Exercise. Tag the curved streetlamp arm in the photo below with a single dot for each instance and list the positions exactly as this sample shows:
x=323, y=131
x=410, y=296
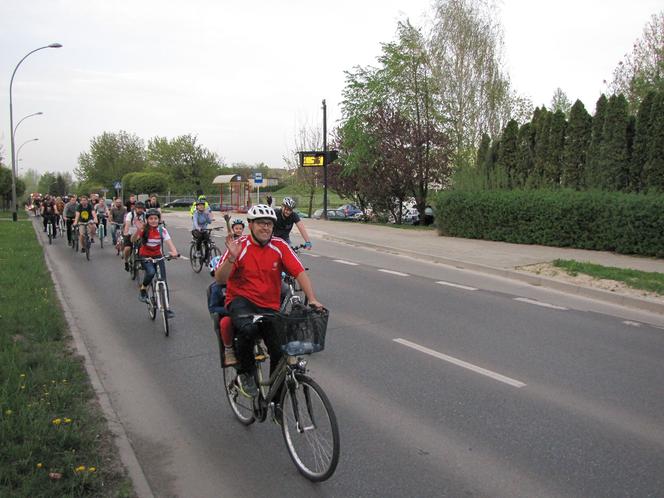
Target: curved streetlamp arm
x=26, y=117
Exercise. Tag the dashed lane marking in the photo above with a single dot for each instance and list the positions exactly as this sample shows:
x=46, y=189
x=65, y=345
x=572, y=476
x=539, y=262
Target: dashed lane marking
x=539, y=303
x=344, y=262
x=458, y=286
x=464, y=364
x=392, y=272
x=631, y=323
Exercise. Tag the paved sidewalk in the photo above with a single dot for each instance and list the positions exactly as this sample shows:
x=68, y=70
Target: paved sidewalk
x=496, y=258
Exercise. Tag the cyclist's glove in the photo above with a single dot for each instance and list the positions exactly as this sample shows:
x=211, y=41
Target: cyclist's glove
x=307, y=245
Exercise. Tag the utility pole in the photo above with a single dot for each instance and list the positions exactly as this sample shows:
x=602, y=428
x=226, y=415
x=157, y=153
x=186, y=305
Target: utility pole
x=324, y=160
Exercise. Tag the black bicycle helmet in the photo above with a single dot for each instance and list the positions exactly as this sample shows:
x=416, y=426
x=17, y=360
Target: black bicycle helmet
x=152, y=212
x=140, y=204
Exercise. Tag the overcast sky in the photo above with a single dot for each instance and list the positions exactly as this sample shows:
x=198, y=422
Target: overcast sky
x=244, y=76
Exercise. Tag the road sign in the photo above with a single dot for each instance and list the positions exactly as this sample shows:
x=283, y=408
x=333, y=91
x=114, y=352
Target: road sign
x=117, y=185
x=258, y=178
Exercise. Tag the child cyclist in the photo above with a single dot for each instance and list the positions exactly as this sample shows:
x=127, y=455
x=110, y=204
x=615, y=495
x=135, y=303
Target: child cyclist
x=152, y=236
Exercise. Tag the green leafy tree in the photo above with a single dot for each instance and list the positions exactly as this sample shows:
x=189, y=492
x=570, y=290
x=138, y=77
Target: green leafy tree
x=47, y=182
x=642, y=70
x=576, y=147
x=149, y=182
x=593, y=163
x=190, y=166
x=111, y=156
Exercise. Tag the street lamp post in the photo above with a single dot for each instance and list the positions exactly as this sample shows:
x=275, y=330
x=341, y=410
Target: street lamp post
x=23, y=119
x=26, y=142
x=11, y=126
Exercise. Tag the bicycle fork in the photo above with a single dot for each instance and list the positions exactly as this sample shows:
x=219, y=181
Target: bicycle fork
x=293, y=385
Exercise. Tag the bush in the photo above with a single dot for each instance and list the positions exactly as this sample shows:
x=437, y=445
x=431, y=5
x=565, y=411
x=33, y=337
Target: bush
x=605, y=221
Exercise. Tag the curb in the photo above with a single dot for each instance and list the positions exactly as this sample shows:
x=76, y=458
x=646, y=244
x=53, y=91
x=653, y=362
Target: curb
x=588, y=292
x=121, y=439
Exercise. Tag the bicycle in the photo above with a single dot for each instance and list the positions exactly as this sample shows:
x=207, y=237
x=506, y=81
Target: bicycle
x=208, y=251
x=294, y=400
x=87, y=243
x=74, y=238
x=291, y=291
x=101, y=232
x=62, y=225
x=50, y=229
x=116, y=236
x=158, y=293
x=134, y=263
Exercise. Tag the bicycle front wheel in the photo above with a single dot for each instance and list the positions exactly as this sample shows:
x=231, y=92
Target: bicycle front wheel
x=242, y=406
x=310, y=429
x=102, y=234
x=87, y=248
x=164, y=311
x=196, y=261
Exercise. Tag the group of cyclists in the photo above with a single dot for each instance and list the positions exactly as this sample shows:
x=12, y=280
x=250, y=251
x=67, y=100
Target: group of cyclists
x=250, y=269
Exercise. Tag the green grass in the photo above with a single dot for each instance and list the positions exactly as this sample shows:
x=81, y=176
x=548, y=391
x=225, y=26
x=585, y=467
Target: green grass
x=49, y=419
x=7, y=215
x=648, y=281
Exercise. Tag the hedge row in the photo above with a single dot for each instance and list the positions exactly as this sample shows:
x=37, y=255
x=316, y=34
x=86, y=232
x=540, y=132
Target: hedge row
x=606, y=221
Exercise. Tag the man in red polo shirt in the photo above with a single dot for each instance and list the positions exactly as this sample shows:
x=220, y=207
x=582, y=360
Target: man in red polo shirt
x=251, y=267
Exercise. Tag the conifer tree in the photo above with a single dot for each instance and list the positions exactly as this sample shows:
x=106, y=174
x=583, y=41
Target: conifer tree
x=542, y=129
x=524, y=163
x=576, y=147
x=653, y=169
x=642, y=132
x=508, y=153
x=554, y=159
x=596, y=141
x=613, y=154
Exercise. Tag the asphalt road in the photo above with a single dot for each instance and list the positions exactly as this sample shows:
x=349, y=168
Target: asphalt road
x=439, y=390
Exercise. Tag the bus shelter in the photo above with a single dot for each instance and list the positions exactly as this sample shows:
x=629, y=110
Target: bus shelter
x=234, y=193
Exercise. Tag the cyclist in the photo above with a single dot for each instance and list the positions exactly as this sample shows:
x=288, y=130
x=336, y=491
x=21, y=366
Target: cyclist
x=133, y=218
x=102, y=212
x=286, y=218
x=131, y=203
x=85, y=213
x=151, y=237
x=117, y=216
x=194, y=205
x=49, y=212
x=200, y=220
x=251, y=267
x=69, y=212
x=237, y=227
x=153, y=203
x=60, y=205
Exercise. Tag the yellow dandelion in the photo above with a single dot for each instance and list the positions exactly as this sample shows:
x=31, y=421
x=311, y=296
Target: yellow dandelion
x=80, y=468
x=57, y=421
x=64, y=381
x=22, y=376
x=92, y=469
x=22, y=387
x=67, y=421
x=40, y=465
x=8, y=412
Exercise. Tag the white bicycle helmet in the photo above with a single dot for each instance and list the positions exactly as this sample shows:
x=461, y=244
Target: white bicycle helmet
x=288, y=202
x=261, y=211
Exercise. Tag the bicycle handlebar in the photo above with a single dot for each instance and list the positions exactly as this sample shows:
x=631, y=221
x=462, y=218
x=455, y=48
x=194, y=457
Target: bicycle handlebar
x=156, y=260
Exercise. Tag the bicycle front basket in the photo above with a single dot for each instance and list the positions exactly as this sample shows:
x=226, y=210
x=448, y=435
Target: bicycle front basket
x=302, y=331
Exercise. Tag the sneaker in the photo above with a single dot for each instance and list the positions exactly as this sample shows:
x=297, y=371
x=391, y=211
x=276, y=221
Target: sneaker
x=82, y=249
x=247, y=385
x=126, y=266
x=143, y=296
x=170, y=313
x=229, y=357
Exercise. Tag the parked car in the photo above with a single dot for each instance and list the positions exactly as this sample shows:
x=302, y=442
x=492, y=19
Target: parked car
x=349, y=209
x=185, y=202
x=332, y=214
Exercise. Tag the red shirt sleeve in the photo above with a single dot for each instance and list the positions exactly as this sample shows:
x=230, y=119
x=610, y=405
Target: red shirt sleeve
x=289, y=258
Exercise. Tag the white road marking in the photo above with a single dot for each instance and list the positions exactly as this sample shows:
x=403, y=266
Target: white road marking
x=459, y=286
x=392, y=272
x=343, y=262
x=539, y=303
x=631, y=323
x=463, y=364
x=184, y=257
x=310, y=255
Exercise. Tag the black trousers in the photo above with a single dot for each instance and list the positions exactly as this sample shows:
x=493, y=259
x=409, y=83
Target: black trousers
x=246, y=332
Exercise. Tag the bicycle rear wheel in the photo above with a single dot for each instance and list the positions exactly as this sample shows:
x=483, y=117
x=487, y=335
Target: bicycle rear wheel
x=49, y=230
x=196, y=261
x=312, y=438
x=133, y=267
x=87, y=247
x=241, y=406
x=164, y=312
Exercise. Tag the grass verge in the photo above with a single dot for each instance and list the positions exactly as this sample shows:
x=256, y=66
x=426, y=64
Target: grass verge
x=648, y=281
x=54, y=437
